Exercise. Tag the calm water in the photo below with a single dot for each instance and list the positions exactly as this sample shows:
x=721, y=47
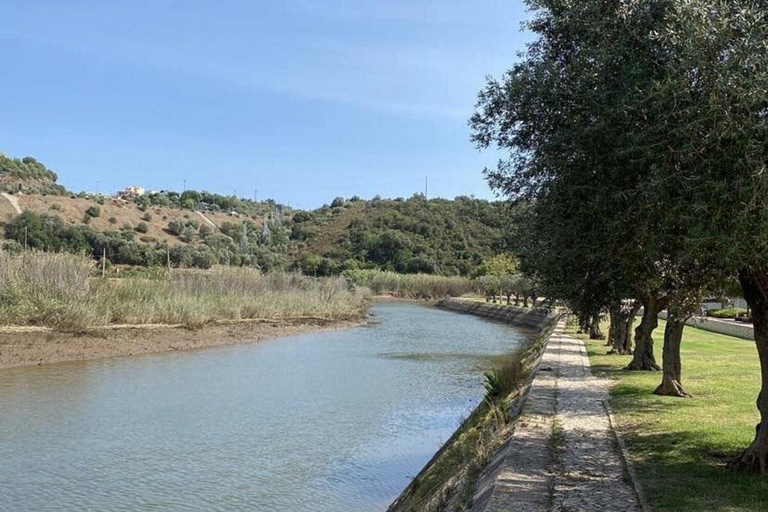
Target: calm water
x=325, y=422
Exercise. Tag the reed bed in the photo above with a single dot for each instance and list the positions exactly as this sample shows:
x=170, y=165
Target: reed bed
x=55, y=290
x=410, y=286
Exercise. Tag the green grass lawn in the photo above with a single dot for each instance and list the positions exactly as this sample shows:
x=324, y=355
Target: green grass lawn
x=680, y=447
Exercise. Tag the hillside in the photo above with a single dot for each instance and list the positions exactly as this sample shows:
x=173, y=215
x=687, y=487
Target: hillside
x=201, y=229
x=437, y=236
x=27, y=175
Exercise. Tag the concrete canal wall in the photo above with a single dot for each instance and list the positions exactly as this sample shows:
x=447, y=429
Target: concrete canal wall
x=451, y=476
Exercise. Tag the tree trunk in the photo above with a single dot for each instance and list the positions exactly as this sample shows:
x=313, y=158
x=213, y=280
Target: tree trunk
x=754, y=283
x=620, y=336
x=525, y=302
x=584, y=324
x=671, y=366
x=594, y=329
x=509, y=299
x=517, y=300
x=644, y=359
x=613, y=315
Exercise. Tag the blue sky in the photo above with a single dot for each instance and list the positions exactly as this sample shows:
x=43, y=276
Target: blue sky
x=303, y=100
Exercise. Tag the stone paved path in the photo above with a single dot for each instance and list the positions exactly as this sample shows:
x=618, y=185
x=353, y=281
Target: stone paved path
x=589, y=473
x=585, y=471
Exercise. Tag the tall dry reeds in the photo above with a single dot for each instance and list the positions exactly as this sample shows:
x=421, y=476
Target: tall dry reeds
x=55, y=290
x=45, y=289
x=410, y=286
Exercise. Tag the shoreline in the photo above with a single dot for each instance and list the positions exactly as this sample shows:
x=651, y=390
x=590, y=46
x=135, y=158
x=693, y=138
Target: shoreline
x=34, y=346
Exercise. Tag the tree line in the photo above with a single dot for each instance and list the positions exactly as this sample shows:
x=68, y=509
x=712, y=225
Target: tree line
x=635, y=141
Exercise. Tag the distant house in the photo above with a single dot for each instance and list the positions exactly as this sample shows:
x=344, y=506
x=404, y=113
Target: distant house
x=132, y=192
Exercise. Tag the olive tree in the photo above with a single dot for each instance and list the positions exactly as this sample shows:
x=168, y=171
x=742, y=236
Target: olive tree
x=711, y=110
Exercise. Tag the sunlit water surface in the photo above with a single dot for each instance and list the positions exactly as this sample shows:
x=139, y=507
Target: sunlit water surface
x=327, y=422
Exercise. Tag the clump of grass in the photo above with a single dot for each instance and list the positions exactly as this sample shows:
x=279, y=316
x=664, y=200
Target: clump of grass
x=45, y=289
x=505, y=378
x=410, y=286
x=449, y=481
x=55, y=290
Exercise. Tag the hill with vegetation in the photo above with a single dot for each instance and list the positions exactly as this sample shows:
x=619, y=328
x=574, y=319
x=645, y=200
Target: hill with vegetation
x=415, y=235
x=27, y=175
x=202, y=229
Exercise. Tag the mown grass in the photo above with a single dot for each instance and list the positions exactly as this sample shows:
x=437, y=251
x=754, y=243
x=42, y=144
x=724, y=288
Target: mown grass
x=680, y=447
x=410, y=286
x=55, y=290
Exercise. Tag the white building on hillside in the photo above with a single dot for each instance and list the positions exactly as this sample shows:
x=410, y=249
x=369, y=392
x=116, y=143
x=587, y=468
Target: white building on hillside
x=132, y=191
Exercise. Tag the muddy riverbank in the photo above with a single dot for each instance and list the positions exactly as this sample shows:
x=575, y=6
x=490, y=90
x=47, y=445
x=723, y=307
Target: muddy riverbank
x=27, y=346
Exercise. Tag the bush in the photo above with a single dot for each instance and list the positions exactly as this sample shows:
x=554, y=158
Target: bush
x=726, y=313
x=93, y=211
x=147, y=217
x=141, y=227
x=112, y=220
x=188, y=234
x=12, y=247
x=176, y=226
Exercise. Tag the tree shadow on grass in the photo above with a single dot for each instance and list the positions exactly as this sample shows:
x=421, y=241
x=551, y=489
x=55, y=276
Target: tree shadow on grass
x=681, y=472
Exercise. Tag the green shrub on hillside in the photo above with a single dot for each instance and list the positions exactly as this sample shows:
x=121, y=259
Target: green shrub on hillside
x=27, y=175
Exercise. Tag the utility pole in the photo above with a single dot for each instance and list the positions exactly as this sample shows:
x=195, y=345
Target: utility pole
x=104, y=261
x=168, y=257
x=256, y=195
x=185, y=186
x=426, y=187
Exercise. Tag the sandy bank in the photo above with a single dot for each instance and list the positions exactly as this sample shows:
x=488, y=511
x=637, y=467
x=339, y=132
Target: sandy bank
x=26, y=346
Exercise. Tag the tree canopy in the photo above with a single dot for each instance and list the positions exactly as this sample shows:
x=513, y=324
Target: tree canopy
x=635, y=135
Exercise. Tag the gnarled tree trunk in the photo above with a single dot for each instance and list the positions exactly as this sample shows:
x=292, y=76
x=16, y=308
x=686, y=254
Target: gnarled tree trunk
x=754, y=283
x=622, y=330
x=643, y=358
x=594, y=329
x=671, y=366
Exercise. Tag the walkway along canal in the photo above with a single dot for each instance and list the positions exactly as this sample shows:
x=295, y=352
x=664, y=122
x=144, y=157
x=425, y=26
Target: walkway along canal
x=331, y=421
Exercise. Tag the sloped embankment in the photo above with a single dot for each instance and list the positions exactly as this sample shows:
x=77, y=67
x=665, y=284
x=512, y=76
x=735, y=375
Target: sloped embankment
x=448, y=482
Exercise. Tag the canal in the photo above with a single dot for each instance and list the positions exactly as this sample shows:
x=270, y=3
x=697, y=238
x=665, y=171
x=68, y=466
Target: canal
x=336, y=421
